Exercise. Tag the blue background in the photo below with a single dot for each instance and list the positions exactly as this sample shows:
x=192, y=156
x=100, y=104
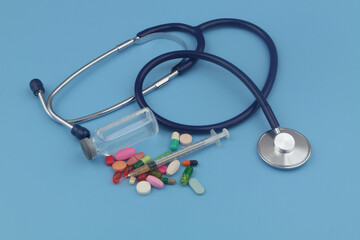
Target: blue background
x=48, y=190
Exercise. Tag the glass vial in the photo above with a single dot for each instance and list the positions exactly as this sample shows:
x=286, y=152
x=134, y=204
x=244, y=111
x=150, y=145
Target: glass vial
x=120, y=134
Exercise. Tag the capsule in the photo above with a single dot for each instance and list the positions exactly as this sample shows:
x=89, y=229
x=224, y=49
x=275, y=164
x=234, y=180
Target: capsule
x=162, y=155
x=190, y=163
x=186, y=175
x=155, y=173
x=127, y=170
x=132, y=180
x=174, y=144
x=142, y=161
x=116, y=177
x=170, y=181
x=135, y=158
x=142, y=177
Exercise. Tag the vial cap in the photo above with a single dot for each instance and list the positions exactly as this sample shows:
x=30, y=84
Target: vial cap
x=88, y=148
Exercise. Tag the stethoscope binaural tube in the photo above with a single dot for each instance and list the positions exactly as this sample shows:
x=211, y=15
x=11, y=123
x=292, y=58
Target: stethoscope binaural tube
x=81, y=132
x=279, y=147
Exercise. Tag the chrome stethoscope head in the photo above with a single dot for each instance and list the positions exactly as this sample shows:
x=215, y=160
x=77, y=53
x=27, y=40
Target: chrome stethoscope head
x=284, y=148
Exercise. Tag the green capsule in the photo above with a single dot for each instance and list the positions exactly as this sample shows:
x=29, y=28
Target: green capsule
x=162, y=155
x=174, y=144
x=168, y=180
x=155, y=173
x=146, y=159
x=186, y=175
x=142, y=161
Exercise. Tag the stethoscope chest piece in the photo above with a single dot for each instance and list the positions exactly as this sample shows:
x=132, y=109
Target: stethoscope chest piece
x=284, y=148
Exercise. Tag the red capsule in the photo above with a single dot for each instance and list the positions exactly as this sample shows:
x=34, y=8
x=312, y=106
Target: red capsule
x=116, y=177
x=109, y=160
x=128, y=170
x=142, y=177
x=135, y=158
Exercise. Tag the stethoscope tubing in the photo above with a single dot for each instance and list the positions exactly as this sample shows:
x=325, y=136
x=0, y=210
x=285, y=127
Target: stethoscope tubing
x=216, y=60
x=230, y=22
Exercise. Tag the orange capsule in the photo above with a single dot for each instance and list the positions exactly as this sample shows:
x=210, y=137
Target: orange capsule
x=190, y=163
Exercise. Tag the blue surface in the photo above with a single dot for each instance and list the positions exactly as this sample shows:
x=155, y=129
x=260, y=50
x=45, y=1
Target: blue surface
x=48, y=190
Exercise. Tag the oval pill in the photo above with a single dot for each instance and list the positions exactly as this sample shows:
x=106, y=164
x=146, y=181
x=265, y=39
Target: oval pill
x=119, y=166
x=162, y=169
x=185, y=139
x=143, y=188
x=155, y=182
x=173, y=167
x=196, y=186
x=174, y=144
x=135, y=158
x=125, y=153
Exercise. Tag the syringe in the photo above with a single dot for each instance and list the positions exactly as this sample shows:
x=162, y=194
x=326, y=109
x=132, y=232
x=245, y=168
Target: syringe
x=214, y=138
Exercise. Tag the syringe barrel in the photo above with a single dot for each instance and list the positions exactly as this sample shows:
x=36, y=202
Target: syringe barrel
x=180, y=153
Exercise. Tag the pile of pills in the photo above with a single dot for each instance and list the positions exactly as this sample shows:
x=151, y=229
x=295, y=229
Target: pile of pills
x=126, y=160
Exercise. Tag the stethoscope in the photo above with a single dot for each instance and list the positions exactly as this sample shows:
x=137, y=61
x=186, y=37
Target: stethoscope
x=279, y=147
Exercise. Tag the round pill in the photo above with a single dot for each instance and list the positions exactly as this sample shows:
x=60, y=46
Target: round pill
x=119, y=166
x=143, y=188
x=154, y=181
x=196, y=186
x=185, y=139
x=173, y=167
x=125, y=153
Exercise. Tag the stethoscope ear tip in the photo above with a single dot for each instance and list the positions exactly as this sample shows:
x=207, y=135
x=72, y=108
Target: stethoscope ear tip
x=284, y=148
x=36, y=85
